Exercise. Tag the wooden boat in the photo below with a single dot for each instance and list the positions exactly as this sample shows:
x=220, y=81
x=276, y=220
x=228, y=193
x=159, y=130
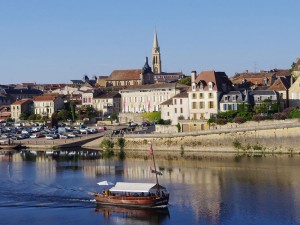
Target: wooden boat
x=146, y=195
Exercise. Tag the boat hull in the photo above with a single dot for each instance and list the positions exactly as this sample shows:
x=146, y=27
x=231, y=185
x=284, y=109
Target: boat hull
x=131, y=201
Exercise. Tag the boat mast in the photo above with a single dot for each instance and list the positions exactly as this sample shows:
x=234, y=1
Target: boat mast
x=152, y=153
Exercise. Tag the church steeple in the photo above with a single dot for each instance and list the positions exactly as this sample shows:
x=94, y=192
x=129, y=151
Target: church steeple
x=156, y=60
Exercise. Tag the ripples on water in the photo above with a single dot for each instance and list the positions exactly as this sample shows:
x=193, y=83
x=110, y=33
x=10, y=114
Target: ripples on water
x=46, y=190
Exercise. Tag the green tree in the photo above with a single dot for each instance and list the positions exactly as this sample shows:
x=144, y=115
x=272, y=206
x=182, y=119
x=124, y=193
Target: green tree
x=185, y=80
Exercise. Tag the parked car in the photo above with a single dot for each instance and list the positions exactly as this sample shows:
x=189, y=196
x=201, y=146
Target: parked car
x=37, y=135
x=92, y=130
x=83, y=131
x=72, y=135
x=102, y=128
x=145, y=124
x=63, y=136
x=51, y=136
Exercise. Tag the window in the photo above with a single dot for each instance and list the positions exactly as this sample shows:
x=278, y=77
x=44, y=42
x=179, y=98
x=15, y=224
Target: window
x=210, y=86
x=194, y=96
x=201, y=105
x=175, y=110
x=175, y=102
x=180, y=101
x=168, y=113
x=194, y=105
x=225, y=107
x=201, y=96
x=210, y=95
x=211, y=104
x=181, y=110
x=226, y=98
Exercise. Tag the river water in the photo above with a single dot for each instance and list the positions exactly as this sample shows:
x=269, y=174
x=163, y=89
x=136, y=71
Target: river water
x=46, y=189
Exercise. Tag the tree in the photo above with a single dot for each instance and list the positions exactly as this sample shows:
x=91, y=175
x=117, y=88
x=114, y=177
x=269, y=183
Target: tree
x=186, y=81
x=72, y=108
x=63, y=115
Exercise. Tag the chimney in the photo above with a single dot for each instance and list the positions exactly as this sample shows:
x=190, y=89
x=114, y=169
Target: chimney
x=193, y=76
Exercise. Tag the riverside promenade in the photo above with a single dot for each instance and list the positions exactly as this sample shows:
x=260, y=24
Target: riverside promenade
x=42, y=143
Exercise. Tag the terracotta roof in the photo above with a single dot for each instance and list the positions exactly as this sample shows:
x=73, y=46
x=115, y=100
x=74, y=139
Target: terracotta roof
x=22, y=101
x=281, y=84
x=125, y=75
x=44, y=98
x=220, y=81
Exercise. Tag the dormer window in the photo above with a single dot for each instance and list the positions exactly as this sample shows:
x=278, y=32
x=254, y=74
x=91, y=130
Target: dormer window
x=210, y=86
x=201, y=86
x=233, y=98
x=193, y=87
x=226, y=98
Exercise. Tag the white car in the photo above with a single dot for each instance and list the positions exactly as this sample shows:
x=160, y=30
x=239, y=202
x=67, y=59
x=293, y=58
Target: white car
x=72, y=135
x=63, y=136
x=51, y=136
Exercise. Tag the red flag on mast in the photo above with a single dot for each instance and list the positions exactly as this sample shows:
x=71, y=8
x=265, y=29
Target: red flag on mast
x=151, y=150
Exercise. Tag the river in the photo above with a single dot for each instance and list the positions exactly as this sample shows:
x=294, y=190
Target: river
x=46, y=189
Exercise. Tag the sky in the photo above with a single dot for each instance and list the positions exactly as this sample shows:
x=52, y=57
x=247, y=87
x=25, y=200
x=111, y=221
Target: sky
x=54, y=41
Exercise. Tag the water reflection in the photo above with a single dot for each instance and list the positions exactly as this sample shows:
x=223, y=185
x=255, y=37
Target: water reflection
x=219, y=190
x=134, y=215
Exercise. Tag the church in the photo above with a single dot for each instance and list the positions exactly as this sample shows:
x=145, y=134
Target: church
x=146, y=75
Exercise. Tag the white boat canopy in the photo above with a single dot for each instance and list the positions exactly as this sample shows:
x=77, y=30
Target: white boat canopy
x=135, y=187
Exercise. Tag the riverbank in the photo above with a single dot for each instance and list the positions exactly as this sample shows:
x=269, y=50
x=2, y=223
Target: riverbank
x=272, y=139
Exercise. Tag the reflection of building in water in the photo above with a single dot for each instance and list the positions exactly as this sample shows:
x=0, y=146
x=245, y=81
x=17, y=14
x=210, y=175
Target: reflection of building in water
x=45, y=169
x=98, y=167
x=206, y=181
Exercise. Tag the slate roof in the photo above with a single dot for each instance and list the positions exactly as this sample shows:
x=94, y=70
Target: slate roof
x=158, y=86
x=239, y=97
x=24, y=91
x=106, y=95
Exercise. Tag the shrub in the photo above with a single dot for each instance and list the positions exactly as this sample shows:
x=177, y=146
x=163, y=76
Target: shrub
x=279, y=116
x=237, y=144
x=239, y=120
x=121, y=143
x=107, y=144
x=221, y=121
x=258, y=117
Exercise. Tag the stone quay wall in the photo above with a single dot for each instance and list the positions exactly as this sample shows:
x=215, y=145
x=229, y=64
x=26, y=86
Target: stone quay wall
x=282, y=137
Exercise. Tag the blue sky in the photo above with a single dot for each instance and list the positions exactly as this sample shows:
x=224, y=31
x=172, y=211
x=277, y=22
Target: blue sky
x=54, y=41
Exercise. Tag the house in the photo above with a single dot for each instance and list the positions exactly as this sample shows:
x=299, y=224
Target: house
x=294, y=94
x=46, y=105
x=258, y=97
x=21, y=106
x=131, y=77
x=107, y=103
x=4, y=100
x=205, y=92
x=296, y=69
x=230, y=101
x=165, y=77
x=282, y=85
x=101, y=81
x=176, y=108
x=5, y=112
x=147, y=98
x=84, y=81
x=253, y=80
x=17, y=94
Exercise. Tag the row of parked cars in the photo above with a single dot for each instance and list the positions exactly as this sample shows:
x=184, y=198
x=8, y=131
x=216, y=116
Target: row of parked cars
x=18, y=133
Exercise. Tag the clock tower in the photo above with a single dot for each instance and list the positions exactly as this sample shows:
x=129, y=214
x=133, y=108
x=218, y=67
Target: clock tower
x=156, y=60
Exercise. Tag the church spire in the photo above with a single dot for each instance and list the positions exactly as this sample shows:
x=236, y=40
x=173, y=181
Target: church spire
x=156, y=60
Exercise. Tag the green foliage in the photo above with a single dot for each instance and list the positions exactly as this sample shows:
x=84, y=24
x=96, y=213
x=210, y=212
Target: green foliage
x=107, y=144
x=121, y=143
x=237, y=144
x=34, y=117
x=72, y=108
x=178, y=127
x=239, y=120
x=186, y=81
x=152, y=116
x=24, y=115
x=9, y=119
x=295, y=113
x=63, y=115
x=257, y=147
x=221, y=121
x=87, y=111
